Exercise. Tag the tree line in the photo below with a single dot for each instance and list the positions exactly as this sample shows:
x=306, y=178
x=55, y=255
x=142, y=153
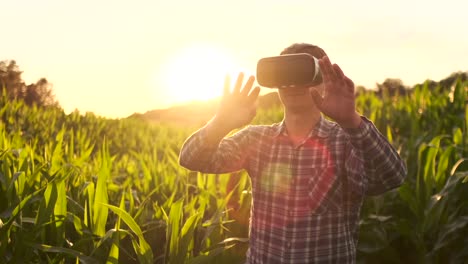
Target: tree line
x=15, y=88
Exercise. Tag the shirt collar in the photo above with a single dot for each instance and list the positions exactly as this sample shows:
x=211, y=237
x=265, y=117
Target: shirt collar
x=321, y=129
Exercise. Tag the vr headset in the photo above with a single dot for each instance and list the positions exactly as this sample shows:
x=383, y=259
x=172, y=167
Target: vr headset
x=289, y=71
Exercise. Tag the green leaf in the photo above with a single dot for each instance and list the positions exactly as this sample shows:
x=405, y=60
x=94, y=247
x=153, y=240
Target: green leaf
x=113, y=257
x=61, y=250
x=60, y=211
x=433, y=212
x=186, y=237
x=408, y=195
x=89, y=201
x=143, y=250
x=442, y=167
x=389, y=134
x=450, y=232
x=77, y=222
x=458, y=136
x=5, y=227
x=47, y=205
x=173, y=229
x=101, y=196
x=372, y=239
x=57, y=157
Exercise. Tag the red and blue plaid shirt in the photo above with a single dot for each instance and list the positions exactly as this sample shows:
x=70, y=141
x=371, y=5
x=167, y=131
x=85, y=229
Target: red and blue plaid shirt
x=306, y=198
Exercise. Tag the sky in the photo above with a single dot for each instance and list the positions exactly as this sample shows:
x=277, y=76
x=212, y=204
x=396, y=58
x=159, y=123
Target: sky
x=116, y=58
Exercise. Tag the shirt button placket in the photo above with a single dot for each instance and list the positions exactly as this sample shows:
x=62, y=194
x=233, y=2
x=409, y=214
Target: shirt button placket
x=292, y=182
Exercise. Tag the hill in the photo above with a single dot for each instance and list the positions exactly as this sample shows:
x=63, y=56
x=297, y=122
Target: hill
x=197, y=113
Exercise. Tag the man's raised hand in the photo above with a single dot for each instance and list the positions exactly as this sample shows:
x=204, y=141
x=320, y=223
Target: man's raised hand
x=338, y=101
x=237, y=107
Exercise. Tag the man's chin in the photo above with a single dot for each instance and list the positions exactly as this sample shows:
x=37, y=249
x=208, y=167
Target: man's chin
x=302, y=107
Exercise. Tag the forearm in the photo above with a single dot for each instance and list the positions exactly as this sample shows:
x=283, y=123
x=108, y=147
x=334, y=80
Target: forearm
x=198, y=150
x=382, y=164
x=209, y=151
x=215, y=131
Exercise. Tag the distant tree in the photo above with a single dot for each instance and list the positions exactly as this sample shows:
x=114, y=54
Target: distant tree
x=360, y=89
x=10, y=77
x=392, y=87
x=446, y=83
x=449, y=81
x=39, y=93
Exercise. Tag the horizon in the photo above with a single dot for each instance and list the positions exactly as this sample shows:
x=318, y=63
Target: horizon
x=116, y=59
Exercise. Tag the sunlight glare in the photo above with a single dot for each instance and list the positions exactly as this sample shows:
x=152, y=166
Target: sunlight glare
x=197, y=73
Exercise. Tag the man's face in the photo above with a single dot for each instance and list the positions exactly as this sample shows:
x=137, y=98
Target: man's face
x=298, y=97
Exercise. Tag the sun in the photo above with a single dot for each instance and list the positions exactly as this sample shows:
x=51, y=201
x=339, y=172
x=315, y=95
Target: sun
x=197, y=73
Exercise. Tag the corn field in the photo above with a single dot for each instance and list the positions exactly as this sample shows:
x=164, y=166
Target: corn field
x=79, y=188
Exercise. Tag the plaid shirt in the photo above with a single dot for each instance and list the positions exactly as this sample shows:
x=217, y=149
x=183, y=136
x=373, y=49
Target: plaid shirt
x=306, y=198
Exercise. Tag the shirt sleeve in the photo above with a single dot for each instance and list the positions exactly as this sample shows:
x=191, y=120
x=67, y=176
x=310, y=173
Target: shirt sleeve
x=229, y=155
x=372, y=154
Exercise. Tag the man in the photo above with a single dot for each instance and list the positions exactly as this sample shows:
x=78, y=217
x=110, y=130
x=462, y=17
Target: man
x=309, y=175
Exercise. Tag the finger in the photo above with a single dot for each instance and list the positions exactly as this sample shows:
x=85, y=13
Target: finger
x=338, y=71
x=333, y=74
x=248, y=86
x=326, y=68
x=227, y=84
x=238, y=85
x=318, y=99
x=252, y=98
x=349, y=84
